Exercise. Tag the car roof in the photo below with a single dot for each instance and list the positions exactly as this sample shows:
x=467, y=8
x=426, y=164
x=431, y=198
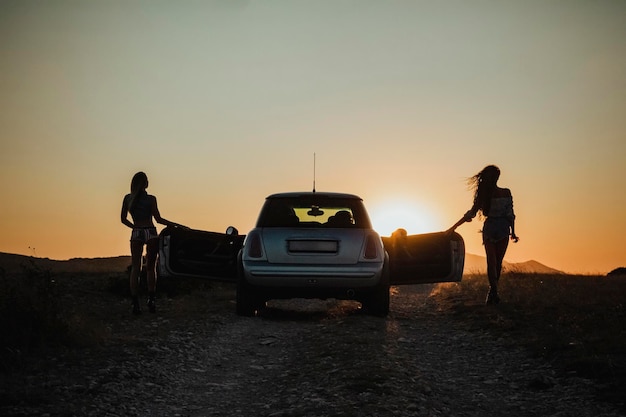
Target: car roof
x=301, y=194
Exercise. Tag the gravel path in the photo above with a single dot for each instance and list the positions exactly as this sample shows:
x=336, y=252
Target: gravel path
x=299, y=358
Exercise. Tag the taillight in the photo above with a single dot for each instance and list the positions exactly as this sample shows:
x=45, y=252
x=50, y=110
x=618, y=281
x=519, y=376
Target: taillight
x=254, y=246
x=371, y=251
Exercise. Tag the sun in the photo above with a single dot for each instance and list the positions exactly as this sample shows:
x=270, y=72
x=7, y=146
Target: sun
x=415, y=218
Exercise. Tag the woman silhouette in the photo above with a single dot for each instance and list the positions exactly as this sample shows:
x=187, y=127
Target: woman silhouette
x=496, y=206
x=142, y=208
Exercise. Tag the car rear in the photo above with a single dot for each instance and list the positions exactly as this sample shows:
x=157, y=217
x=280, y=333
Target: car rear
x=311, y=245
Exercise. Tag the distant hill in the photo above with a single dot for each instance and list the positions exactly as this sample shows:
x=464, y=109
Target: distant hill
x=475, y=264
x=16, y=263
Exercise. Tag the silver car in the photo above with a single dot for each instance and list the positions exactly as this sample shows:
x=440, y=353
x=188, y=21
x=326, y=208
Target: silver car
x=313, y=245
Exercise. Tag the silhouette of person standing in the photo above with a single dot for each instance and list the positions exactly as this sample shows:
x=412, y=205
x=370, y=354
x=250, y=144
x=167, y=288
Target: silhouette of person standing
x=142, y=208
x=496, y=206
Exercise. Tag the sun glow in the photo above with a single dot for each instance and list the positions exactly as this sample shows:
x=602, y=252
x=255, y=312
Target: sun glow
x=409, y=215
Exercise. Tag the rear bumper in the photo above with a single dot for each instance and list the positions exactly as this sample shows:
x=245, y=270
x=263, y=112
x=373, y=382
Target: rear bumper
x=311, y=278
x=280, y=293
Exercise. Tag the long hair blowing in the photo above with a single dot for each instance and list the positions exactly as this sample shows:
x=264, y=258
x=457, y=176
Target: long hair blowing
x=137, y=185
x=483, y=184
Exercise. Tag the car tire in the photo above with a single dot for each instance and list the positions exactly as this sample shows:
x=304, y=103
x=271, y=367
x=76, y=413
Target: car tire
x=377, y=302
x=245, y=303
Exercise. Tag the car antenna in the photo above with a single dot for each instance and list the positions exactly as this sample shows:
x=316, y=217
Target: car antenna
x=313, y=171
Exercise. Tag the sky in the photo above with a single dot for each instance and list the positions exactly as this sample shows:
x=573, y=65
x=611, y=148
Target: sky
x=222, y=103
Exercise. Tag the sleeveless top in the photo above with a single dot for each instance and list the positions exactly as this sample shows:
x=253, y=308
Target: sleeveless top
x=142, y=207
x=501, y=207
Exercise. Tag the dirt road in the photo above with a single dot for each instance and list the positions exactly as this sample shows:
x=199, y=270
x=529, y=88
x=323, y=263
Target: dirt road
x=195, y=357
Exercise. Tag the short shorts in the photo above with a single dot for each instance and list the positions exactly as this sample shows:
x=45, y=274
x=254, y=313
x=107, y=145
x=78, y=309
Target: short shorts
x=143, y=234
x=495, y=229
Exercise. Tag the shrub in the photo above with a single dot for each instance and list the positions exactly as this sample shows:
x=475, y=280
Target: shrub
x=29, y=312
x=575, y=321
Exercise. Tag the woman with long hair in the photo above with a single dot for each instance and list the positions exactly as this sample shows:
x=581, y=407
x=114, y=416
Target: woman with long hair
x=495, y=205
x=142, y=208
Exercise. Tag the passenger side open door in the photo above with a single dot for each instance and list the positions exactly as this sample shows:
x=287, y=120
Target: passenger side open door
x=425, y=258
x=199, y=254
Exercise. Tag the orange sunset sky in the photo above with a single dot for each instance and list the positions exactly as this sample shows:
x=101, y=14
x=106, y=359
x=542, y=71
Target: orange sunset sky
x=224, y=102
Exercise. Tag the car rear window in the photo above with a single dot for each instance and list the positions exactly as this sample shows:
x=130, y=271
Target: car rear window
x=313, y=211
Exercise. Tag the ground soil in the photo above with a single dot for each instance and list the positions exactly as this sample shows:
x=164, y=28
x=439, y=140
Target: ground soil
x=196, y=357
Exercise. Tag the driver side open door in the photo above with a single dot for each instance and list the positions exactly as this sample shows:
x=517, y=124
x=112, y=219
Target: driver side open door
x=425, y=258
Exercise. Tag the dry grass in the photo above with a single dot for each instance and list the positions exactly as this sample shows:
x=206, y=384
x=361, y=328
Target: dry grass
x=577, y=322
x=29, y=309
x=42, y=309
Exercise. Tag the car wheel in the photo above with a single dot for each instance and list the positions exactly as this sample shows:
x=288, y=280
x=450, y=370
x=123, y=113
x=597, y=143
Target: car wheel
x=246, y=301
x=377, y=302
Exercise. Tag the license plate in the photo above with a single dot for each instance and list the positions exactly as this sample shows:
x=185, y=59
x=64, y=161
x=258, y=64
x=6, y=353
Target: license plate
x=320, y=246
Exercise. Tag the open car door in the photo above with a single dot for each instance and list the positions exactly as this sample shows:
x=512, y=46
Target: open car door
x=425, y=258
x=199, y=254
